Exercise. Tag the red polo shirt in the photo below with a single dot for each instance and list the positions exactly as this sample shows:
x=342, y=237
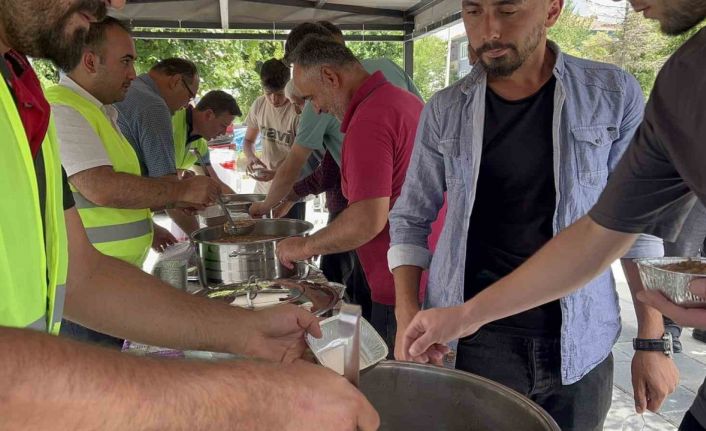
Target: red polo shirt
x=379, y=128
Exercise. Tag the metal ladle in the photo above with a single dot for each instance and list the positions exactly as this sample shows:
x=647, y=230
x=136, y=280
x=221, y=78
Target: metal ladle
x=349, y=319
x=230, y=227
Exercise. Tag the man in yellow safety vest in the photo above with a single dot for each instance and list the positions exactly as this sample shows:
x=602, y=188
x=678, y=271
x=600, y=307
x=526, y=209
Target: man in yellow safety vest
x=48, y=383
x=112, y=198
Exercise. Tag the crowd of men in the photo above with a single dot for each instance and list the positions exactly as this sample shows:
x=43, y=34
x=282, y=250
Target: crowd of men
x=515, y=187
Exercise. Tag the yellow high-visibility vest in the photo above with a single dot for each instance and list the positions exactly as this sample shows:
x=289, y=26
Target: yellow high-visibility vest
x=125, y=234
x=34, y=253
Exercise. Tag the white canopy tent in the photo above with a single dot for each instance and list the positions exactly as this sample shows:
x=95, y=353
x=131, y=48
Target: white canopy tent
x=402, y=20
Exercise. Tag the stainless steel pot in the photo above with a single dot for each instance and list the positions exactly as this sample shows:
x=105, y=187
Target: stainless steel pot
x=423, y=397
x=228, y=263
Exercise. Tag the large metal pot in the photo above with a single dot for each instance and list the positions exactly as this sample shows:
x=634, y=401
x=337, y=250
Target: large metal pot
x=423, y=397
x=228, y=263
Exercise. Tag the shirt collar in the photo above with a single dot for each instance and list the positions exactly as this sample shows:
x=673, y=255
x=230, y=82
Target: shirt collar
x=149, y=82
x=66, y=81
x=477, y=75
x=69, y=83
x=374, y=81
x=190, y=136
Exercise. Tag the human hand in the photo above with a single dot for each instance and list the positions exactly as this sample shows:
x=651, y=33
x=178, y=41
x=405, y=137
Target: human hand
x=281, y=209
x=259, y=209
x=254, y=162
x=430, y=331
x=162, y=239
x=654, y=377
x=197, y=192
x=691, y=317
x=277, y=333
x=334, y=404
x=262, y=175
x=291, y=250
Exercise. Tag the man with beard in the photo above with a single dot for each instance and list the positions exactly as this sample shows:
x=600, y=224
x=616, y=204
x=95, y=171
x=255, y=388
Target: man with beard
x=651, y=191
x=48, y=383
x=379, y=120
x=524, y=145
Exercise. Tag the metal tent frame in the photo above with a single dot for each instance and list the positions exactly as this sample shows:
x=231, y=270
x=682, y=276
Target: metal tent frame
x=401, y=20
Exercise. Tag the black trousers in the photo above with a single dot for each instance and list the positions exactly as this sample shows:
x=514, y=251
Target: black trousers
x=345, y=268
x=298, y=211
x=77, y=332
x=689, y=423
x=385, y=323
x=531, y=365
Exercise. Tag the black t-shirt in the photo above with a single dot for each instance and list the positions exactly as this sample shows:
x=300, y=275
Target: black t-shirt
x=515, y=200
x=658, y=179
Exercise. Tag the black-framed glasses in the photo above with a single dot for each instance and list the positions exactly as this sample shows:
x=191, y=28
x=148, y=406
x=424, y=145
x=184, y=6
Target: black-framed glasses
x=192, y=95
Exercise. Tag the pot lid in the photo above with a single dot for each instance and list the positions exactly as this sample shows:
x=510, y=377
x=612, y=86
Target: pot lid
x=317, y=297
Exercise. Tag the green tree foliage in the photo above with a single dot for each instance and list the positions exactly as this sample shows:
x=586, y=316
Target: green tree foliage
x=634, y=44
x=430, y=55
x=230, y=65
x=571, y=30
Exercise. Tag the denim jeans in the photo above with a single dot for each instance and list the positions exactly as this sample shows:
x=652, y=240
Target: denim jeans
x=531, y=365
x=689, y=423
x=77, y=332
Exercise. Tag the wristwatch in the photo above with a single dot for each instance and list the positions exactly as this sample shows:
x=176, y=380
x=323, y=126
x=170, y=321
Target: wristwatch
x=665, y=344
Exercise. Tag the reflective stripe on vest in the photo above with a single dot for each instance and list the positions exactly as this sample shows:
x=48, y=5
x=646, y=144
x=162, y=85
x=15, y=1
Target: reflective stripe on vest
x=81, y=202
x=183, y=157
x=125, y=234
x=120, y=232
x=34, y=254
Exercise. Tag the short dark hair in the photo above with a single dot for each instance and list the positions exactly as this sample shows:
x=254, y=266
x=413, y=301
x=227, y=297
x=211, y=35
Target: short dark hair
x=219, y=102
x=333, y=28
x=274, y=75
x=297, y=35
x=176, y=66
x=316, y=50
x=96, y=36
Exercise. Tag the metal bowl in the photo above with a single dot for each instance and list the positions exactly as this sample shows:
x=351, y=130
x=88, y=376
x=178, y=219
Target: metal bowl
x=674, y=285
x=236, y=204
x=415, y=397
x=241, y=203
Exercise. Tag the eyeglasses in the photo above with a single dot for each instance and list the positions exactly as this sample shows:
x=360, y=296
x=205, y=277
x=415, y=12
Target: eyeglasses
x=192, y=96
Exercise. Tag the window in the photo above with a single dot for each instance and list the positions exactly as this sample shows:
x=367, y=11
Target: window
x=463, y=51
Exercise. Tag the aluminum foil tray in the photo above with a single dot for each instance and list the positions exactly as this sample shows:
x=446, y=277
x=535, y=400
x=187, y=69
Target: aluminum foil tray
x=674, y=285
x=329, y=349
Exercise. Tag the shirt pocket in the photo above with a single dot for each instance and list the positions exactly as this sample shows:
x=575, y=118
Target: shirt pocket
x=592, y=145
x=453, y=161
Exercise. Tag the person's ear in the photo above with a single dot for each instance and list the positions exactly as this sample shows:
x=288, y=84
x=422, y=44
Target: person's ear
x=330, y=76
x=554, y=12
x=89, y=61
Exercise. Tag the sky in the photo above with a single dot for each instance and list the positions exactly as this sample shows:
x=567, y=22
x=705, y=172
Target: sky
x=606, y=10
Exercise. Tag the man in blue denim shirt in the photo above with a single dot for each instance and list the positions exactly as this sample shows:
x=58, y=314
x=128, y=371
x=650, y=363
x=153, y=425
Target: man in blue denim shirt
x=491, y=142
